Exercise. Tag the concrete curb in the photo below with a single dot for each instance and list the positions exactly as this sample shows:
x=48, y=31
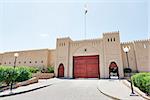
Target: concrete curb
x=25, y=91
x=19, y=84
x=110, y=96
x=125, y=82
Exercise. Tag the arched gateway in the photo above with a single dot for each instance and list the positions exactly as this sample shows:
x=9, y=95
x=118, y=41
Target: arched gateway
x=113, y=70
x=61, y=70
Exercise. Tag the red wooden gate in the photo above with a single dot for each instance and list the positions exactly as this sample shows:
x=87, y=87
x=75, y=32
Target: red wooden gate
x=86, y=66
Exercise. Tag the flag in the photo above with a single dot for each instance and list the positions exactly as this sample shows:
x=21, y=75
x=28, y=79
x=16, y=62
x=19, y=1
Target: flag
x=85, y=12
x=85, y=8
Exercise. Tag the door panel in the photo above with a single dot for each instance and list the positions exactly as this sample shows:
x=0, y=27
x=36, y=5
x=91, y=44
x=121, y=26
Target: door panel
x=61, y=70
x=86, y=66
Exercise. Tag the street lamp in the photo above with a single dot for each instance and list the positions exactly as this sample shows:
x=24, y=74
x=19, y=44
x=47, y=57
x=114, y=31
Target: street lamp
x=126, y=50
x=15, y=55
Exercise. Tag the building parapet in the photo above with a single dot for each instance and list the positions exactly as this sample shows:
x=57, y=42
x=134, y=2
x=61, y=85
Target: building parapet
x=145, y=40
x=135, y=41
x=63, y=38
x=109, y=33
x=87, y=40
x=27, y=50
x=126, y=43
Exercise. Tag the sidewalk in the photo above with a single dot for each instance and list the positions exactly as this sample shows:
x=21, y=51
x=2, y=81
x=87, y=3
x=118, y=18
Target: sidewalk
x=116, y=90
x=23, y=89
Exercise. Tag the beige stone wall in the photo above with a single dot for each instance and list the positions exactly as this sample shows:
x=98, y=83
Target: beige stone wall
x=112, y=52
x=131, y=56
x=52, y=58
x=27, y=58
x=108, y=51
x=142, y=51
x=139, y=55
x=93, y=47
x=62, y=55
x=66, y=49
x=1, y=57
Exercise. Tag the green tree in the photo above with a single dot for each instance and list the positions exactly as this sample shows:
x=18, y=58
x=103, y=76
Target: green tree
x=2, y=74
x=11, y=75
x=23, y=74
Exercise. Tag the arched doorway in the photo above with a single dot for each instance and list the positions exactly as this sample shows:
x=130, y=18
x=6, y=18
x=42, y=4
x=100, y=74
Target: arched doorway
x=113, y=70
x=61, y=70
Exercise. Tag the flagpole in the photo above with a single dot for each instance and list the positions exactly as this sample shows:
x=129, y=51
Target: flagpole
x=85, y=25
x=85, y=8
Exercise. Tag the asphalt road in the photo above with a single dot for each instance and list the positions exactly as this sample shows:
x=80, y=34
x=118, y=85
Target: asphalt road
x=80, y=89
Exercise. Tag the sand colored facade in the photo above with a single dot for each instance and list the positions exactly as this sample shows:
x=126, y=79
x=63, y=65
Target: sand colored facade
x=108, y=49
x=39, y=58
x=139, y=55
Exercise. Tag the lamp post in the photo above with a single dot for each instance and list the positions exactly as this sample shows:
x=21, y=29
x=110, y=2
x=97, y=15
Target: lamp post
x=15, y=55
x=126, y=50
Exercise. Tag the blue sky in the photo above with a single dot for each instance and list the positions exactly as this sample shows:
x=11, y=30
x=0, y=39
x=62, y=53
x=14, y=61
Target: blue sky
x=35, y=24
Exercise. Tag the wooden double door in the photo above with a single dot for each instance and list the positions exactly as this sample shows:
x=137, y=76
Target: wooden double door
x=86, y=66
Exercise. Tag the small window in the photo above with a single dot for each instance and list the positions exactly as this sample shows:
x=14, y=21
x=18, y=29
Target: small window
x=111, y=39
x=114, y=39
x=42, y=61
x=5, y=63
x=30, y=62
x=35, y=61
x=108, y=40
x=19, y=62
x=9, y=62
x=0, y=63
x=24, y=61
x=85, y=50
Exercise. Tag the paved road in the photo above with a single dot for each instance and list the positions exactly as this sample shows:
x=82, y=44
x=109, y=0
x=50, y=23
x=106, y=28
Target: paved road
x=64, y=90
